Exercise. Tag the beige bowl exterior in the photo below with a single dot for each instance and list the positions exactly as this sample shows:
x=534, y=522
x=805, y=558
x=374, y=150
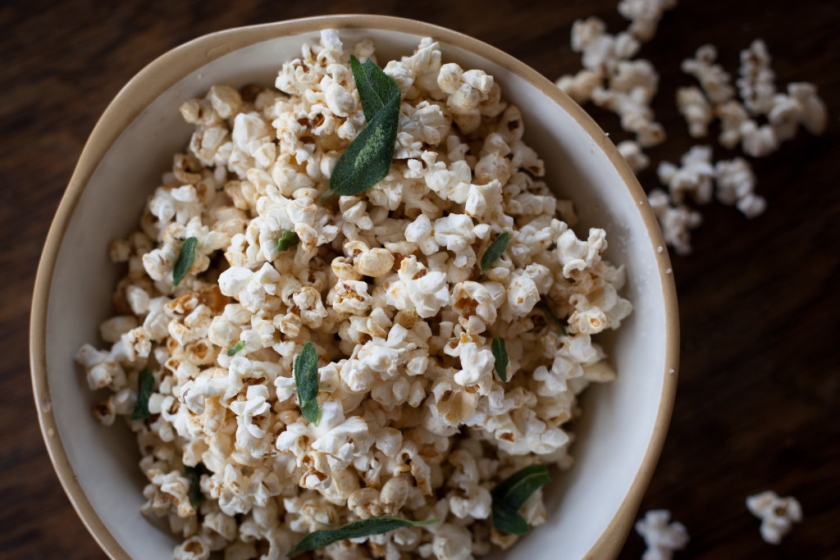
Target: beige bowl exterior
x=654, y=283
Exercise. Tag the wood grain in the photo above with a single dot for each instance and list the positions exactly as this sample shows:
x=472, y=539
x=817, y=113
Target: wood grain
x=760, y=385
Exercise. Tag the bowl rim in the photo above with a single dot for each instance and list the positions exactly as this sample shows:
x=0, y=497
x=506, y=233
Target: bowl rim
x=165, y=71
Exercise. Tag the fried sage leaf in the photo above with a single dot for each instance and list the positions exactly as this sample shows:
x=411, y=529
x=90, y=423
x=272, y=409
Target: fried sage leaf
x=306, y=381
x=145, y=382
x=354, y=530
x=186, y=256
x=288, y=239
x=500, y=353
x=367, y=159
x=494, y=251
x=236, y=348
x=194, y=474
x=512, y=493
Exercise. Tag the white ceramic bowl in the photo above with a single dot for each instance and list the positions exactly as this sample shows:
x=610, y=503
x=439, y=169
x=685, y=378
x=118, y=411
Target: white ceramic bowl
x=591, y=508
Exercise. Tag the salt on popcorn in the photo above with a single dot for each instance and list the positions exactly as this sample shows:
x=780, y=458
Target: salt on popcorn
x=387, y=287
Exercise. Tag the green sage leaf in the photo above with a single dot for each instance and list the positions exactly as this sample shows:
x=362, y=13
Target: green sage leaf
x=288, y=239
x=376, y=88
x=194, y=474
x=494, y=251
x=508, y=520
x=354, y=530
x=306, y=381
x=500, y=353
x=145, y=383
x=553, y=317
x=236, y=348
x=367, y=159
x=186, y=256
x=512, y=493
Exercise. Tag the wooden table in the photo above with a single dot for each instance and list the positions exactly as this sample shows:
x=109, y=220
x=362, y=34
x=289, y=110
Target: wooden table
x=760, y=300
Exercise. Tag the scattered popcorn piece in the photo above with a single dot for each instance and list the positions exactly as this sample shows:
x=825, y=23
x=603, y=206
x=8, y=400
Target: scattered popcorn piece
x=715, y=82
x=814, y=115
x=633, y=155
x=777, y=514
x=644, y=15
x=693, y=177
x=661, y=537
x=676, y=221
x=732, y=116
x=696, y=110
x=758, y=141
x=580, y=86
x=735, y=182
x=757, y=81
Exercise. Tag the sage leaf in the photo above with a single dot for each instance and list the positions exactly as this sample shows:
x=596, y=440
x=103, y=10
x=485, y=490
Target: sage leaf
x=553, y=317
x=288, y=239
x=508, y=520
x=494, y=251
x=354, y=530
x=367, y=159
x=145, y=382
x=306, y=381
x=512, y=493
x=500, y=353
x=186, y=256
x=194, y=474
x=236, y=348
x=376, y=88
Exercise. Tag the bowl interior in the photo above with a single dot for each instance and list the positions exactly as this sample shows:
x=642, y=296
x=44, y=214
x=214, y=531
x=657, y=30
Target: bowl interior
x=619, y=418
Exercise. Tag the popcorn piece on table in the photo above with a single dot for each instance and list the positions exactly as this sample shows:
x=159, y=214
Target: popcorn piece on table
x=696, y=110
x=757, y=81
x=676, y=221
x=661, y=538
x=732, y=115
x=777, y=514
x=644, y=15
x=633, y=155
x=735, y=182
x=713, y=79
x=580, y=86
x=758, y=141
x=693, y=177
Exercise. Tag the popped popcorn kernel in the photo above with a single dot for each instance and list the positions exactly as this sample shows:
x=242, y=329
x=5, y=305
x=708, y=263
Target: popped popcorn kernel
x=777, y=514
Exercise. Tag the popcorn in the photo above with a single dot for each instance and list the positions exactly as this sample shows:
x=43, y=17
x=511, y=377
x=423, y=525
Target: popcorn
x=735, y=183
x=661, y=538
x=610, y=78
x=580, y=86
x=814, y=115
x=633, y=155
x=696, y=110
x=777, y=514
x=644, y=15
x=756, y=83
x=713, y=79
x=387, y=286
x=676, y=221
x=732, y=115
x=693, y=177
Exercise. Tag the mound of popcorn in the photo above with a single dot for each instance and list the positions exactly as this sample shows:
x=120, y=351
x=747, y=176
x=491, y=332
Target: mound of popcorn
x=414, y=421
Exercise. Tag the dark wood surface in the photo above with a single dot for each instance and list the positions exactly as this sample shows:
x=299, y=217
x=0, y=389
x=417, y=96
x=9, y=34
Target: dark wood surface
x=760, y=301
